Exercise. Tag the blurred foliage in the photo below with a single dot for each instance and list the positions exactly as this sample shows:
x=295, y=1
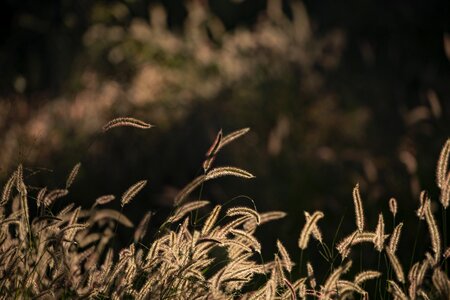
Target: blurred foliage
x=334, y=93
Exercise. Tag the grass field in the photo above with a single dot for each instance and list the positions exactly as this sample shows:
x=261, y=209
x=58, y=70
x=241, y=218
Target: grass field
x=203, y=252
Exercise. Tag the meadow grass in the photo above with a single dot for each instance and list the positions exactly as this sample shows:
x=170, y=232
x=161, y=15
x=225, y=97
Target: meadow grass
x=68, y=253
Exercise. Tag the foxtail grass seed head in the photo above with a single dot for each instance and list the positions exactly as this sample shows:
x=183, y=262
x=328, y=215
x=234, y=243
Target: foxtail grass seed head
x=286, y=260
x=393, y=206
x=65, y=211
x=251, y=225
x=310, y=270
x=445, y=193
x=228, y=171
x=132, y=192
x=315, y=230
x=423, y=202
x=232, y=136
x=278, y=271
x=225, y=229
x=181, y=211
x=395, y=237
x=379, y=234
x=212, y=151
x=343, y=246
x=104, y=199
x=442, y=165
x=73, y=174
x=40, y=196
x=243, y=211
x=307, y=229
x=412, y=277
x=434, y=232
x=19, y=173
x=345, y=286
x=211, y=220
x=271, y=216
x=51, y=196
x=366, y=275
x=126, y=121
x=354, y=238
x=395, y=263
x=421, y=272
x=219, y=143
x=359, y=210
x=7, y=188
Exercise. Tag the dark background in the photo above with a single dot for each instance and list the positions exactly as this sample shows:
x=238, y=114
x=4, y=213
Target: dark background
x=366, y=101
x=43, y=41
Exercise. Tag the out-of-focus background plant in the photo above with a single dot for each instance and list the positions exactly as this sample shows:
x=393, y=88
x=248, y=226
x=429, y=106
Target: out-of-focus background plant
x=335, y=93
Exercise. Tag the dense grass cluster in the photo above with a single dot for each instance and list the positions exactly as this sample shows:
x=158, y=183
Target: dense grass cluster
x=68, y=254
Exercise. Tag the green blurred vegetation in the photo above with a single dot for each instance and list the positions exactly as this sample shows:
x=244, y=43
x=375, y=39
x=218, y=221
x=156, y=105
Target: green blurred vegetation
x=335, y=93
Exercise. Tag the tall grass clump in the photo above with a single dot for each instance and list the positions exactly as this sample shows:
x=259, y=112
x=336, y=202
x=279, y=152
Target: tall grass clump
x=68, y=253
